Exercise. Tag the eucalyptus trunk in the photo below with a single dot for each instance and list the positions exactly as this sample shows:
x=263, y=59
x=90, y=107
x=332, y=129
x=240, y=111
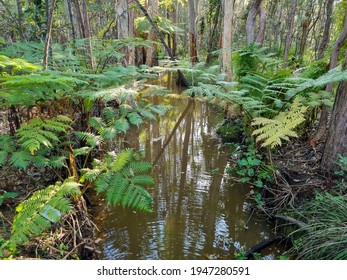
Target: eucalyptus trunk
x=251, y=19
x=336, y=143
x=228, y=12
x=289, y=31
x=153, y=10
x=48, y=34
x=326, y=33
x=324, y=118
x=262, y=26
x=125, y=29
x=193, y=53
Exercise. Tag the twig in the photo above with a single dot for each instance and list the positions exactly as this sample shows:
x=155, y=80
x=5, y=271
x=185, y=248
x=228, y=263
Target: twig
x=291, y=220
x=68, y=254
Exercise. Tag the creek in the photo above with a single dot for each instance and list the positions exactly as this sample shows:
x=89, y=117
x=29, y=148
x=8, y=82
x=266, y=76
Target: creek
x=198, y=211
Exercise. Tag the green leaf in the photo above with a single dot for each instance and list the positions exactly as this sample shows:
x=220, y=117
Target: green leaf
x=20, y=159
x=3, y=157
x=122, y=125
x=135, y=118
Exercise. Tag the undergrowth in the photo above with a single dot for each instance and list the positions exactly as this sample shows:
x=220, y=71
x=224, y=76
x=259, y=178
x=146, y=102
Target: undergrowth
x=70, y=121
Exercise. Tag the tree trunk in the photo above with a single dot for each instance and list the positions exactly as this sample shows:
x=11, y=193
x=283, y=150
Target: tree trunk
x=87, y=34
x=250, y=23
x=227, y=37
x=324, y=118
x=181, y=78
x=213, y=35
x=125, y=29
x=79, y=18
x=336, y=143
x=326, y=33
x=48, y=35
x=193, y=55
x=175, y=35
x=20, y=18
x=262, y=26
x=290, y=32
x=153, y=7
x=73, y=31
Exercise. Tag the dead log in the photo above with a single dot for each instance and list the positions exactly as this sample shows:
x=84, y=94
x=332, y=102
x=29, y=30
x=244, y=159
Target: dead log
x=263, y=245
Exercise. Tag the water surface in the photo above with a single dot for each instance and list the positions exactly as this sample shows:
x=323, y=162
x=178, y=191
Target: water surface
x=198, y=212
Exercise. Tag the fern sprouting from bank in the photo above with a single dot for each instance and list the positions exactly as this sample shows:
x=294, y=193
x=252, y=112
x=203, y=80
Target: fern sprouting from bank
x=43, y=209
x=271, y=132
x=123, y=179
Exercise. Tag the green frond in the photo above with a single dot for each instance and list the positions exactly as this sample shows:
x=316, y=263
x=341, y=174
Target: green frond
x=109, y=133
x=43, y=208
x=38, y=132
x=109, y=115
x=147, y=114
x=142, y=180
x=96, y=123
x=15, y=65
x=160, y=109
x=102, y=182
x=57, y=162
x=91, y=139
x=118, y=186
x=81, y=151
x=272, y=131
x=21, y=159
x=333, y=76
x=118, y=176
x=3, y=157
x=90, y=174
x=134, y=118
x=123, y=158
x=122, y=125
x=138, y=167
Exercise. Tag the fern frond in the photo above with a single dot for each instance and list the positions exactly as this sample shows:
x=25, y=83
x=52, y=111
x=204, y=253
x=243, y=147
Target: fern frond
x=91, y=139
x=44, y=207
x=134, y=118
x=123, y=158
x=21, y=159
x=122, y=125
x=282, y=126
x=137, y=167
x=38, y=132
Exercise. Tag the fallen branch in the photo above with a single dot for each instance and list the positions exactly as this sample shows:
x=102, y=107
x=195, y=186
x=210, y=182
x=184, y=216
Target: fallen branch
x=263, y=245
x=291, y=220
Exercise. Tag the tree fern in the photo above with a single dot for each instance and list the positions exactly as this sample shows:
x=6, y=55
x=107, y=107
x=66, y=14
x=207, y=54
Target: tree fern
x=281, y=127
x=122, y=179
x=44, y=208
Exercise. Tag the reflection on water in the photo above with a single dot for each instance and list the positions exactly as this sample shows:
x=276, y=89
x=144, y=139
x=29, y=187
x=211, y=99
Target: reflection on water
x=197, y=211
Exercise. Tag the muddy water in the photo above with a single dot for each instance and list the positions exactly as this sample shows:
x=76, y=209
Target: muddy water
x=198, y=212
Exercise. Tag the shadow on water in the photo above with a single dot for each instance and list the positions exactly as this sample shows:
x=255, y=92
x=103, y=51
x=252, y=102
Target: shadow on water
x=198, y=211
